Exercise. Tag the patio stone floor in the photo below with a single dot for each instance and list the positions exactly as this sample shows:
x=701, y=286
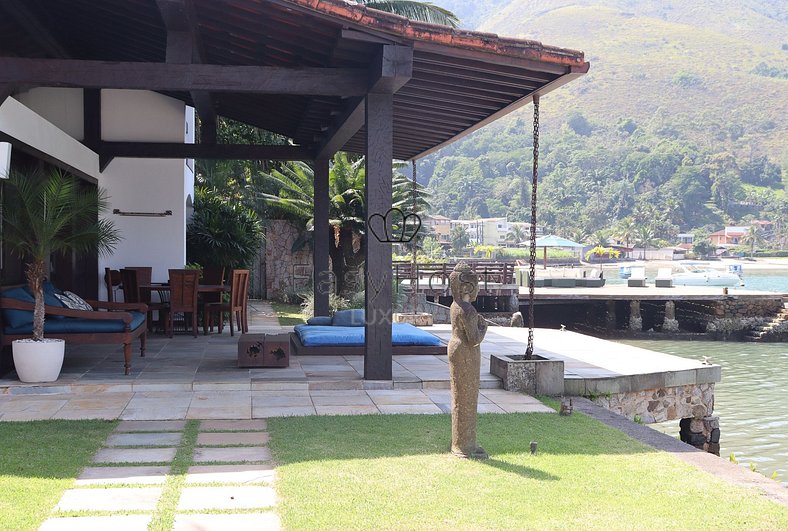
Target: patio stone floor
x=197, y=378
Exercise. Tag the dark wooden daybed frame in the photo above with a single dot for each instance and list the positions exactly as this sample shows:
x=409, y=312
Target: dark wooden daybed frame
x=116, y=311
x=298, y=349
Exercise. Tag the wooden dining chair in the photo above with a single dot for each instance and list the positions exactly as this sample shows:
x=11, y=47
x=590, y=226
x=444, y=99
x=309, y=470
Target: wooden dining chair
x=239, y=286
x=134, y=277
x=183, y=296
x=113, y=282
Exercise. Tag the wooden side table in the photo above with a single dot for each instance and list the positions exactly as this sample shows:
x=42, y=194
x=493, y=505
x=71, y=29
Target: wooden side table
x=264, y=350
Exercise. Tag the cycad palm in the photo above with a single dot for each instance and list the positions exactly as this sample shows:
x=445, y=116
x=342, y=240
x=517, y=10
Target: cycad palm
x=52, y=213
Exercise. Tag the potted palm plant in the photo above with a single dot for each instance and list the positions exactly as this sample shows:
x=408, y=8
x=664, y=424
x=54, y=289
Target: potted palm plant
x=50, y=213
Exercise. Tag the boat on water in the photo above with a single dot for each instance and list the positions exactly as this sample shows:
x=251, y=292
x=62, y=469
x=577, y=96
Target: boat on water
x=700, y=274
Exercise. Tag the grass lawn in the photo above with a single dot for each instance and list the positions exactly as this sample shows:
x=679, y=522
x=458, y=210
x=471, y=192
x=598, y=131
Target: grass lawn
x=38, y=462
x=394, y=472
x=288, y=314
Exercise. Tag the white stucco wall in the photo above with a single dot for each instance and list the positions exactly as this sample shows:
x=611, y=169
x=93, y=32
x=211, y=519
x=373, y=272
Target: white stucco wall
x=51, y=121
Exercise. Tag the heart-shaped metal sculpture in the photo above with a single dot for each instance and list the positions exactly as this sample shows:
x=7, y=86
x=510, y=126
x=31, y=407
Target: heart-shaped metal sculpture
x=378, y=225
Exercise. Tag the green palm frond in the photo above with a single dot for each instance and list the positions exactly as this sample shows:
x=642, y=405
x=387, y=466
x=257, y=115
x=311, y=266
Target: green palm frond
x=422, y=11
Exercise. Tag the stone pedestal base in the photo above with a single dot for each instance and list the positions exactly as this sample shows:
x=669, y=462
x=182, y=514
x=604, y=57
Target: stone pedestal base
x=537, y=376
x=416, y=319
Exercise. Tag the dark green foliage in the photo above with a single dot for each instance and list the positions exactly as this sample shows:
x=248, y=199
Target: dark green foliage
x=762, y=69
x=686, y=79
x=222, y=233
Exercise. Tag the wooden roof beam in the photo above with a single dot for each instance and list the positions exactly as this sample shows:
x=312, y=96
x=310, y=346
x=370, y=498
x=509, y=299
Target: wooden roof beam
x=184, y=46
x=309, y=81
x=168, y=150
x=392, y=68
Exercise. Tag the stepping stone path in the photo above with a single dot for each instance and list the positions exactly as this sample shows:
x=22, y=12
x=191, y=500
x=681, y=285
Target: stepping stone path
x=225, y=481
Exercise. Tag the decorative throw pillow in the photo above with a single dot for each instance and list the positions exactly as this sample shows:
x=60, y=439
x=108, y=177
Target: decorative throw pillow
x=319, y=320
x=73, y=301
x=348, y=318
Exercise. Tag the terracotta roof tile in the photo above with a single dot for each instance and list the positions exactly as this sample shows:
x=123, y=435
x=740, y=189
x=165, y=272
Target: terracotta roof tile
x=438, y=34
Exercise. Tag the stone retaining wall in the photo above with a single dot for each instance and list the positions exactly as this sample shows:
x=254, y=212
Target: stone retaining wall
x=659, y=405
x=286, y=272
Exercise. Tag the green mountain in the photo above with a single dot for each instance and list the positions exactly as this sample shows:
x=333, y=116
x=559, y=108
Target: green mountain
x=681, y=118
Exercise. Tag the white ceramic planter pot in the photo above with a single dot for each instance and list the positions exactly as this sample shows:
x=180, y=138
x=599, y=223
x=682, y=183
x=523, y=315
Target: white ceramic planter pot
x=38, y=361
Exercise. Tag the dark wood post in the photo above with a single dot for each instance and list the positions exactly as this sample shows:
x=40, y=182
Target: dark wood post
x=323, y=284
x=377, y=267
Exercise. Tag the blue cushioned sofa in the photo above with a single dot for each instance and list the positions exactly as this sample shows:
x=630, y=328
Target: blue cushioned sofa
x=343, y=335
x=110, y=322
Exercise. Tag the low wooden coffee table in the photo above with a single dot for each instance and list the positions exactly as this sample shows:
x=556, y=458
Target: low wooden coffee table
x=264, y=350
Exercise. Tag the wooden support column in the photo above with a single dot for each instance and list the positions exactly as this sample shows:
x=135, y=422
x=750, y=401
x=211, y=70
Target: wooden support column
x=323, y=284
x=91, y=103
x=377, y=267
x=5, y=91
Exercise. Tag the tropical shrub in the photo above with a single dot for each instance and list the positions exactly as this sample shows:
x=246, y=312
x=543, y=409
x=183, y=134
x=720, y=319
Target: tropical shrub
x=222, y=234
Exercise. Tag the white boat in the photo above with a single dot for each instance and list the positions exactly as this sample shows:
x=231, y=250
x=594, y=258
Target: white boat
x=693, y=274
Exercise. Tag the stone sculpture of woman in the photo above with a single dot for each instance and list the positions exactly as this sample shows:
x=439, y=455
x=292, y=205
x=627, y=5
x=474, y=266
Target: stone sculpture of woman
x=467, y=332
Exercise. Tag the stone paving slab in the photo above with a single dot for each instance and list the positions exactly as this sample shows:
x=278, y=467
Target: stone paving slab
x=159, y=412
x=230, y=474
x=227, y=412
x=134, y=455
x=232, y=438
x=233, y=425
x=266, y=412
x=411, y=409
x=399, y=397
x=281, y=401
x=224, y=522
x=340, y=398
x=240, y=454
x=131, y=522
x=150, y=425
x=106, y=475
x=347, y=410
x=126, y=499
x=202, y=498
x=144, y=439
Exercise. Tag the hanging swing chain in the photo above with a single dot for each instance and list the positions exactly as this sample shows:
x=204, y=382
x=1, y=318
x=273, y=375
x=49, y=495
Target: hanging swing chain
x=414, y=276
x=532, y=263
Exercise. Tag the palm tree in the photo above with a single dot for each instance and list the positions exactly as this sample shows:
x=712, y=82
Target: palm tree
x=644, y=236
x=52, y=213
x=599, y=238
x=422, y=11
x=516, y=234
x=753, y=238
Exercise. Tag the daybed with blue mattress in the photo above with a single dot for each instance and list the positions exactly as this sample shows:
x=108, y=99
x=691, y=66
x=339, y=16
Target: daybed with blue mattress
x=344, y=335
x=118, y=323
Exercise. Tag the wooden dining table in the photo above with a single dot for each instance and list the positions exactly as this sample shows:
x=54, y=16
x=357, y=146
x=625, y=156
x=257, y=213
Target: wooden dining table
x=201, y=288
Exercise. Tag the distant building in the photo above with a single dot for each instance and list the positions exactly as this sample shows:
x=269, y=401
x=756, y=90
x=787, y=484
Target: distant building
x=686, y=240
x=440, y=226
x=728, y=236
x=490, y=231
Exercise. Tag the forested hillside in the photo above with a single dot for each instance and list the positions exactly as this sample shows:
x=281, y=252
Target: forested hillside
x=680, y=124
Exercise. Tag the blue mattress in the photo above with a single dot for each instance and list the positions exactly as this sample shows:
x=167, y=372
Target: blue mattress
x=402, y=334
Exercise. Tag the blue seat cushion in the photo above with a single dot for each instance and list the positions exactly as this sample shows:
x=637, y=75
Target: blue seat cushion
x=17, y=318
x=73, y=325
x=402, y=334
x=348, y=318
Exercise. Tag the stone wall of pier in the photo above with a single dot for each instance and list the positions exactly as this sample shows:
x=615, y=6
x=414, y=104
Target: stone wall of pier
x=659, y=405
x=735, y=308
